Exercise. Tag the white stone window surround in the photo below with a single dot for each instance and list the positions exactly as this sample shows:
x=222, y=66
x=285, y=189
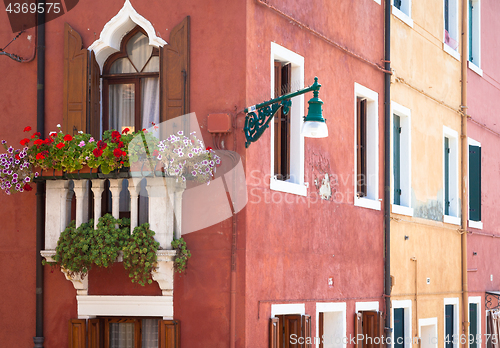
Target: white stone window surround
x=405, y=13
x=476, y=300
x=454, y=210
x=287, y=308
x=453, y=26
x=295, y=184
x=367, y=306
x=476, y=39
x=433, y=323
x=405, y=118
x=473, y=224
x=338, y=308
x=406, y=304
x=456, y=319
x=371, y=201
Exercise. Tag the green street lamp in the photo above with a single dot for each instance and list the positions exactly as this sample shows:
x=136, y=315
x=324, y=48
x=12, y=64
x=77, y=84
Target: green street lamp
x=314, y=124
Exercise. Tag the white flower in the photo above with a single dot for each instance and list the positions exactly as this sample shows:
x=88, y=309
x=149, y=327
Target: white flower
x=58, y=126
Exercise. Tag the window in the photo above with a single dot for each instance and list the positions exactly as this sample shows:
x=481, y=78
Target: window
x=366, y=148
x=475, y=184
x=475, y=322
x=331, y=319
x=475, y=35
x=451, y=23
x=370, y=324
x=289, y=326
x=131, y=84
x=427, y=331
x=402, y=10
x=450, y=165
x=124, y=332
x=401, y=318
x=451, y=323
x=401, y=160
x=287, y=155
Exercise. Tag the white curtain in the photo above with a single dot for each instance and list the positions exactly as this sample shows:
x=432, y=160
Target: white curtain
x=121, y=335
x=150, y=101
x=122, y=106
x=149, y=333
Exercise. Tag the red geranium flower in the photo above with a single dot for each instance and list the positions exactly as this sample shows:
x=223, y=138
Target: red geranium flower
x=40, y=156
x=60, y=145
x=124, y=153
x=68, y=137
x=17, y=157
x=24, y=141
x=155, y=153
x=209, y=148
x=53, y=134
x=120, y=144
x=97, y=152
x=27, y=187
x=37, y=134
x=38, y=142
x=27, y=129
x=101, y=145
x=117, y=153
x=115, y=135
x=126, y=130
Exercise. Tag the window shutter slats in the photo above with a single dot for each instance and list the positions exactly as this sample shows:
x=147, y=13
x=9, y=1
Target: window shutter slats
x=306, y=330
x=170, y=334
x=75, y=85
x=273, y=333
x=77, y=333
x=94, y=119
x=371, y=328
x=474, y=183
x=292, y=326
x=95, y=333
x=174, y=73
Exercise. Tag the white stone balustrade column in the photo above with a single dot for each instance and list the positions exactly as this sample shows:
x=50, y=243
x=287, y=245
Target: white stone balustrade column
x=98, y=189
x=177, y=187
x=56, y=212
x=115, y=187
x=82, y=201
x=161, y=212
x=134, y=188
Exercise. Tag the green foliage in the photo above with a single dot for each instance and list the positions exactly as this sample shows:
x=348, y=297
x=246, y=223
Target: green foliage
x=183, y=254
x=139, y=254
x=78, y=249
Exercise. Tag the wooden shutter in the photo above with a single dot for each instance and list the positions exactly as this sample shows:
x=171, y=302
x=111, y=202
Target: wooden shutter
x=170, y=334
x=474, y=183
x=361, y=146
x=95, y=333
x=446, y=176
x=399, y=327
x=358, y=330
x=94, y=108
x=321, y=325
x=286, y=82
x=397, y=159
x=449, y=334
x=473, y=309
x=273, y=332
x=371, y=328
x=306, y=331
x=277, y=120
x=292, y=326
x=75, y=85
x=174, y=73
x=77, y=333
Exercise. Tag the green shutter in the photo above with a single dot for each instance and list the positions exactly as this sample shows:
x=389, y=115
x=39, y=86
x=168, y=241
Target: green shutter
x=397, y=159
x=471, y=58
x=474, y=183
x=473, y=324
x=399, y=327
x=449, y=319
x=446, y=176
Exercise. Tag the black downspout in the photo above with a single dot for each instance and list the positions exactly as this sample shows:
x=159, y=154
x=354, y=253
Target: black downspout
x=387, y=171
x=40, y=186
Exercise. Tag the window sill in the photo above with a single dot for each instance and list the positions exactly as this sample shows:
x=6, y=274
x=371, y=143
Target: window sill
x=401, y=210
x=378, y=2
x=451, y=220
x=367, y=203
x=451, y=51
x=402, y=16
x=475, y=68
x=288, y=187
x=476, y=224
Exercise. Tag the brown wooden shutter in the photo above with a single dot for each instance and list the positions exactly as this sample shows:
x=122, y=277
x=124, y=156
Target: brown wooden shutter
x=170, y=334
x=371, y=328
x=321, y=325
x=361, y=146
x=273, y=332
x=306, y=331
x=95, y=333
x=286, y=82
x=277, y=119
x=381, y=328
x=292, y=326
x=77, y=333
x=94, y=109
x=174, y=73
x=75, y=85
x=358, y=330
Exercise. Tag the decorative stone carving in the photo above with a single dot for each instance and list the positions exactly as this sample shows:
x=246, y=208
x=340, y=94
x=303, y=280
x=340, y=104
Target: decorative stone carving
x=81, y=284
x=164, y=272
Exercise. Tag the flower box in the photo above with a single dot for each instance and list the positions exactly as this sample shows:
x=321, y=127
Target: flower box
x=85, y=173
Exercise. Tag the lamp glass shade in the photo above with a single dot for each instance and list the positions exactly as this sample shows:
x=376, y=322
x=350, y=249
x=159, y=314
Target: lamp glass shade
x=314, y=129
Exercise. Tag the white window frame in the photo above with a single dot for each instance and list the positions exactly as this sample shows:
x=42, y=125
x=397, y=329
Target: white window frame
x=454, y=32
x=476, y=39
x=404, y=16
x=473, y=224
x=429, y=322
x=329, y=307
x=477, y=300
x=405, y=117
x=371, y=200
x=367, y=306
x=406, y=304
x=456, y=320
x=295, y=184
x=453, y=217
x=287, y=308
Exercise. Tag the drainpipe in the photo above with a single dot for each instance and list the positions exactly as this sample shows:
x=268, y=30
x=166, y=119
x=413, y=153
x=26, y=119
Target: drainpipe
x=40, y=186
x=387, y=171
x=465, y=151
